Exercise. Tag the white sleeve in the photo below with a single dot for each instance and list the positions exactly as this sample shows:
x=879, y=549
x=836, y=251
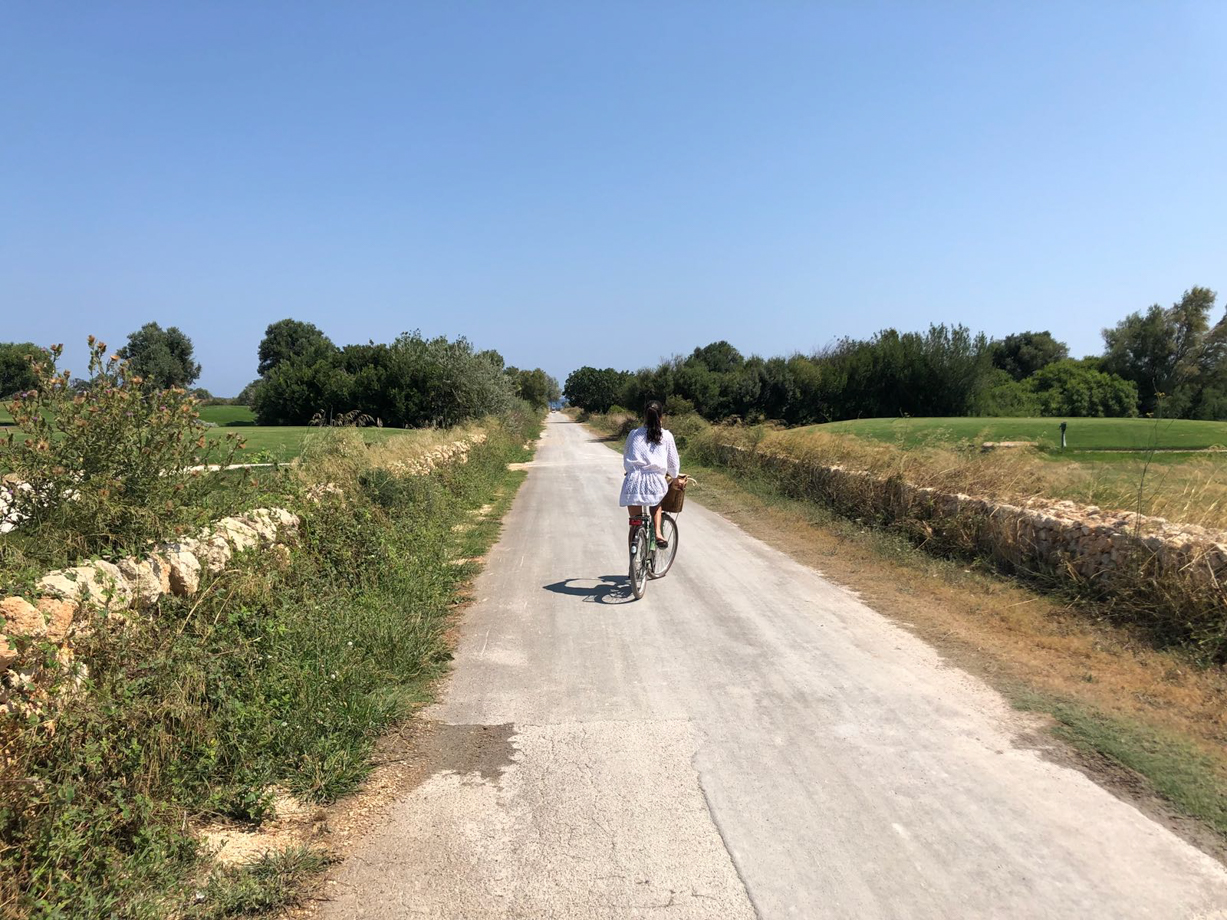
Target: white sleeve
x=627, y=463
x=674, y=463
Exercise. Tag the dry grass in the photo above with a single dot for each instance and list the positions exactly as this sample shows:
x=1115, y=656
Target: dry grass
x=1188, y=489
x=1192, y=490
x=340, y=455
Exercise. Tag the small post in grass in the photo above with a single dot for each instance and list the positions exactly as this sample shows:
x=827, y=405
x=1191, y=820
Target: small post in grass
x=1063, y=426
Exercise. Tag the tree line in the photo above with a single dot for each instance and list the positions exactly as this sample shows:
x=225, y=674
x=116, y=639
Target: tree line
x=1164, y=361
x=410, y=382
x=304, y=377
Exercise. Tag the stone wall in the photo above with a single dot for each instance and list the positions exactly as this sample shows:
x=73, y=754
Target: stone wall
x=453, y=452
x=65, y=600
x=1183, y=566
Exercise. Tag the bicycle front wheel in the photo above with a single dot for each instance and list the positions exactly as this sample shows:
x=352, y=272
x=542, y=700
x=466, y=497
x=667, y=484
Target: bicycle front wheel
x=665, y=557
x=639, y=563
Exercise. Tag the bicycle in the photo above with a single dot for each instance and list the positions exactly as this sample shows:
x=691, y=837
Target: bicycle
x=647, y=559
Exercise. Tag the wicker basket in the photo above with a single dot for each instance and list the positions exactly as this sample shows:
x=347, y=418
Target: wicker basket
x=674, y=498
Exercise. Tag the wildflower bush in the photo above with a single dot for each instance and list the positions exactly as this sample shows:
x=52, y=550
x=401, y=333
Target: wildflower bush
x=106, y=466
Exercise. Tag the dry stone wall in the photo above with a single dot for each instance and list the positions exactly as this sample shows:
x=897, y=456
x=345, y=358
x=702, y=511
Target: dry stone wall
x=1183, y=566
x=64, y=600
x=454, y=452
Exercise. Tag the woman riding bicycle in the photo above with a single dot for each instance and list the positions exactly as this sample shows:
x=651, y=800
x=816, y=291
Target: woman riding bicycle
x=649, y=457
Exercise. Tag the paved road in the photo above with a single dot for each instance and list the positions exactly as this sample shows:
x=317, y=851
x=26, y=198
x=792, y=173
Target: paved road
x=748, y=740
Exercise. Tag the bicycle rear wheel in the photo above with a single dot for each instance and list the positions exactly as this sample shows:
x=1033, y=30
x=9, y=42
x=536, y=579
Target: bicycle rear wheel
x=639, y=563
x=665, y=557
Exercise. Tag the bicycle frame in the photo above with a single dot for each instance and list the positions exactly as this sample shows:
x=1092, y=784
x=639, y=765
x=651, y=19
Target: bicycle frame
x=641, y=568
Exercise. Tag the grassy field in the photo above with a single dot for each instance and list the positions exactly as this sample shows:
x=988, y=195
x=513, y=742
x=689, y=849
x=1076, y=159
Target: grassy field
x=284, y=443
x=228, y=416
x=1083, y=434
x=1109, y=464
x=266, y=443
x=1161, y=468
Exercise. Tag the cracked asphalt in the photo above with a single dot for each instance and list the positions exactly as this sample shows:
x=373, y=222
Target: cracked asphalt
x=749, y=740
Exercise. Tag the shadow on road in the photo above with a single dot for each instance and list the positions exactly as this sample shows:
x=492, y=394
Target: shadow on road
x=611, y=589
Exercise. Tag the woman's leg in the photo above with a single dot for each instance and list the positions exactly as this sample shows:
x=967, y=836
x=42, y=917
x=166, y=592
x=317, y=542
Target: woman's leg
x=656, y=521
x=635, y=511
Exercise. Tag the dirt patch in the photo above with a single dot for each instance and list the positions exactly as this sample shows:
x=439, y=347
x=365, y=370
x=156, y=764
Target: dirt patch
x=294, y=823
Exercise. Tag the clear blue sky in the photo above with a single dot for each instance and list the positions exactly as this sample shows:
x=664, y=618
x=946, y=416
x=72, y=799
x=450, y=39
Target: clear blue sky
x=604, y=183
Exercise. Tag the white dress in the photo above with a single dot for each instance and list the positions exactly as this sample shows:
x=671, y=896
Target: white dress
x=646, y=465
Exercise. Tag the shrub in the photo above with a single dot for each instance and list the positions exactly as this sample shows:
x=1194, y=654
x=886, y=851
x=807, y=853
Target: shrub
x=685, y=428
x=106, y=466
x=1075, y=388
x=1002, y=396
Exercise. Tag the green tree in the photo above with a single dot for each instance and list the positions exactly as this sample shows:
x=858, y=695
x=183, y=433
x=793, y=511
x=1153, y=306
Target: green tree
x=16, y=373
x=718, y=357
x=290, y=338
x=937, y=372
x=593, y=389
x=1001, y=396
x=295, y=390
x=535, y=387
x=247, y=396
x=162, y=358
x=1077, y=389
x=1023, y=353
x=1163, y=351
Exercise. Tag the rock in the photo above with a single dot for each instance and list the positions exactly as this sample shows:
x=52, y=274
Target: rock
x=260, y=521
x=58, y=615
x=148, y=578
x=184, y=571
x=211, y=549
x=237, y=533
x=286, y=520
x=99, y=584
x=21, y=618
x=8, y=654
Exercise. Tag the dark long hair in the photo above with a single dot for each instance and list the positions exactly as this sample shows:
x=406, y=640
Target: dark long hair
x=651, y=420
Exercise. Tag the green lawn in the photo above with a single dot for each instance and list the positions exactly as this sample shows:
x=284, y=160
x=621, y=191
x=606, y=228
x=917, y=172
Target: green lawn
x=1083, y=434
x=227, y=416
x=263, y=443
